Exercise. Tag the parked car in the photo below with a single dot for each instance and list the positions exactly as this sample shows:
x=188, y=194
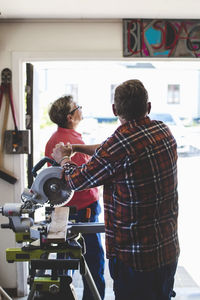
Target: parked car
x=177, y=129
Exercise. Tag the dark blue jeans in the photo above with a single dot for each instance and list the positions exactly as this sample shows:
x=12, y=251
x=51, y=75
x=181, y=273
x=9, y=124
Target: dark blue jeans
x=94, y=252
x=132, y=285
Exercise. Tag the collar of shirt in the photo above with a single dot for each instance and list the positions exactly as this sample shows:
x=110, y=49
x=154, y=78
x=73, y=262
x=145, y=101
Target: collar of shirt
x=69, y=131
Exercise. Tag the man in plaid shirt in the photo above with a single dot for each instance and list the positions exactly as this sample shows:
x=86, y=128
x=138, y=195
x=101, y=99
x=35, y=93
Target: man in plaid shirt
x=137, y=166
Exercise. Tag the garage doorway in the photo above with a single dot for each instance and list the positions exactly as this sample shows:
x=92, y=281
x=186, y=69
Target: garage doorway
x=174, y=90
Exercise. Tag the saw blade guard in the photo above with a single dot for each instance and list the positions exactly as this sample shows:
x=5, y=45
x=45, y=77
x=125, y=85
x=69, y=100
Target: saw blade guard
x=49, y=187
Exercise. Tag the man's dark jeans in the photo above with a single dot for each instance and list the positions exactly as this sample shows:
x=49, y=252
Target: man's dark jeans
x=133, y=285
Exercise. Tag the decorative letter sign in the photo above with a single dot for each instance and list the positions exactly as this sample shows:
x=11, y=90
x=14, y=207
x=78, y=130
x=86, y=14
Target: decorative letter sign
x=161, y=38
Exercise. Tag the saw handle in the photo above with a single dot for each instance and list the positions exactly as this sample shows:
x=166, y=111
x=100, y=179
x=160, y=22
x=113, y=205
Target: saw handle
x=41, y=163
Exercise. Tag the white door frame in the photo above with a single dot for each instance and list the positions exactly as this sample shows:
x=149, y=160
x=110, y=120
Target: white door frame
x=18, y=60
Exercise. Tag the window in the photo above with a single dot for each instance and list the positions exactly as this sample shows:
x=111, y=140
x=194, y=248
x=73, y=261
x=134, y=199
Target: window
x=173, y=94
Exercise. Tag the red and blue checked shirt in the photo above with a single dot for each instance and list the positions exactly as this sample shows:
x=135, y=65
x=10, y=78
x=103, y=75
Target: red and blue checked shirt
x=137, y=166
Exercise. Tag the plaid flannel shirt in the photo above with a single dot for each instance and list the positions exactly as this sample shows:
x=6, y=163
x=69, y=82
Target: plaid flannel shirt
x=137, y=166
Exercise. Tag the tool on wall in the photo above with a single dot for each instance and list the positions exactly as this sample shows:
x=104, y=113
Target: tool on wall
x=12, y=141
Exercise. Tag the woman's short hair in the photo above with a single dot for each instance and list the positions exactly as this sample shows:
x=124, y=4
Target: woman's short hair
x=60, y=109
x=131, y=100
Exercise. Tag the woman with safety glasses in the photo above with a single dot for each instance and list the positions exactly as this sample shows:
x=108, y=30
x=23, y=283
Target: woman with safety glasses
x=67, y=115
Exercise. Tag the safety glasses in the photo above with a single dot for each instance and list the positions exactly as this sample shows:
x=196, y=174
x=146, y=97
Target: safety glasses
x=78, y=107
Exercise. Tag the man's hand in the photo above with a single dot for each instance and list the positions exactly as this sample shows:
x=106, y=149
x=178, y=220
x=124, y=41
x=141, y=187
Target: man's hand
x=60, y=151
x=69, y=150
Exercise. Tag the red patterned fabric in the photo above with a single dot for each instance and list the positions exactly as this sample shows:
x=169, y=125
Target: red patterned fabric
x=138, y=167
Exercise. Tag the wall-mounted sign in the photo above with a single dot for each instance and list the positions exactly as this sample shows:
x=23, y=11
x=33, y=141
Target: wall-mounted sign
x=161, y=38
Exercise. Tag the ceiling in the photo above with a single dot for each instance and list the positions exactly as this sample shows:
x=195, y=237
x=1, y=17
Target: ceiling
x=93, y=9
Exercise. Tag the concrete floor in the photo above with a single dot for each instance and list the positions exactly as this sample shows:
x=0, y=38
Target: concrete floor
x=181, y=294
x=185, y=286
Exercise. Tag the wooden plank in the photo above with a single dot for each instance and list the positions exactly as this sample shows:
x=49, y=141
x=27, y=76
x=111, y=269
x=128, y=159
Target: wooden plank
x=58, y=226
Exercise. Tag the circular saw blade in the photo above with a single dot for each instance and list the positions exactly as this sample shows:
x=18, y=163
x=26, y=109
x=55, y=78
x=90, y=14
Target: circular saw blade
x=50, y=188
x=56, y=192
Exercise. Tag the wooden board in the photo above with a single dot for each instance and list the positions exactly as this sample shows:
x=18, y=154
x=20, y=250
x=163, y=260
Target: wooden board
x=58, y=226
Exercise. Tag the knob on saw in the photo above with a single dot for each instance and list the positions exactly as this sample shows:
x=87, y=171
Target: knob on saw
x=48, y=187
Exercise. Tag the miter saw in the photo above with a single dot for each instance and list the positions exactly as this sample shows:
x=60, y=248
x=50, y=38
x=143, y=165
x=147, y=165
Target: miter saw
x=49, y=188
x=48, y=191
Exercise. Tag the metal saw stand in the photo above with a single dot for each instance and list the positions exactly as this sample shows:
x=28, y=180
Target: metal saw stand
x=42, y=240
x=57, y=281
x=53, y=286
x=58, y=284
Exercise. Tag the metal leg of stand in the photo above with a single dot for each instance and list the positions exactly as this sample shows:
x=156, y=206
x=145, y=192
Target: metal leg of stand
x=31, y=294
x=4, y=294
x=90, y=281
